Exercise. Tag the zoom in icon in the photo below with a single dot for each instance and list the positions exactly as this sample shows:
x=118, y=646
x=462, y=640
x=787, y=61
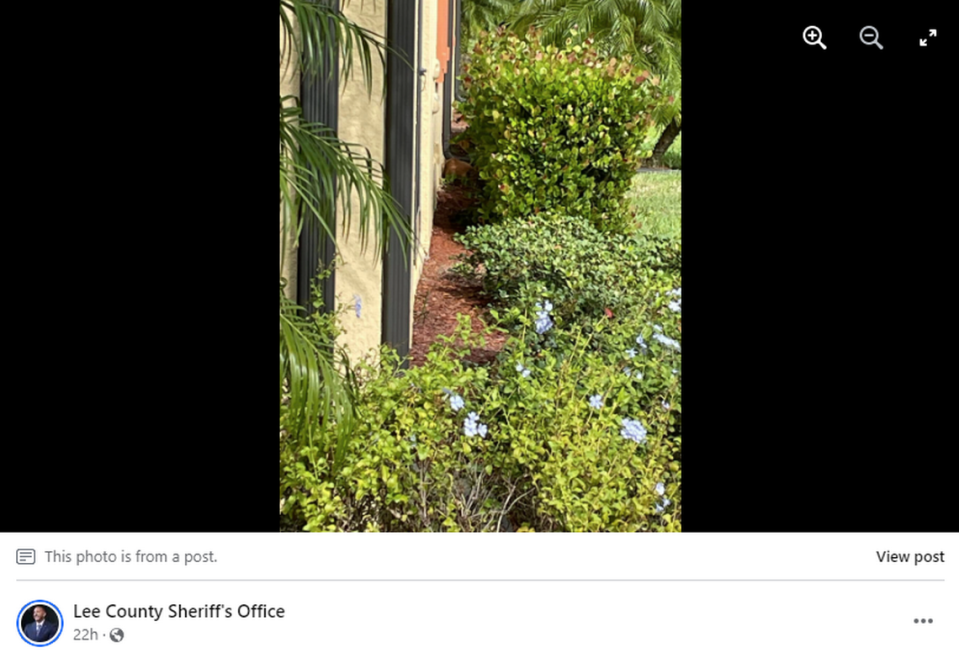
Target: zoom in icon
x=813, y=36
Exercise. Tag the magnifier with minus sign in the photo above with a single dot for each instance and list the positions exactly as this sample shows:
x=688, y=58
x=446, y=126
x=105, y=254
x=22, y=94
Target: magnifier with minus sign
x=870, y=36
x=813, y=36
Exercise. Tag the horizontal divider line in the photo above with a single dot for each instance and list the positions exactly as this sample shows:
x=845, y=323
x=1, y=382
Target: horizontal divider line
x=481, y=580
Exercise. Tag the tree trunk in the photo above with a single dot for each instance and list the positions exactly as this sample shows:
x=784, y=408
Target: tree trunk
x=665, y=140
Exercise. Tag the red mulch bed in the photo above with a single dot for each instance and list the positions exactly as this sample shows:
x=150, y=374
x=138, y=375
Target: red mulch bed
x=441, y=295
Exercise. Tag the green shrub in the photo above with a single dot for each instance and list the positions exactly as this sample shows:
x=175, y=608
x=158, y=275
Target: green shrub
x=586, y=475
x=581, y=271
x=546, y=460
x=408, y=466
x=556, y=130
x=615, y=288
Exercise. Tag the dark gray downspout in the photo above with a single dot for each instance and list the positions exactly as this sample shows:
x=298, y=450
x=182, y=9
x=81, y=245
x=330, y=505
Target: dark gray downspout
x=448, y=85
x=420, y=79
x=450, y=81
x=457, y=53
x=401, y=81
x=319, y=98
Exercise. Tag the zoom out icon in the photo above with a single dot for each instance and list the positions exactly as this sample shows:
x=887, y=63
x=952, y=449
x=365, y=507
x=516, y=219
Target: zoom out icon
x=870, y=36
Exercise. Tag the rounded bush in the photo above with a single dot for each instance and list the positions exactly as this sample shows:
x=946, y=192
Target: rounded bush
x=556, y=130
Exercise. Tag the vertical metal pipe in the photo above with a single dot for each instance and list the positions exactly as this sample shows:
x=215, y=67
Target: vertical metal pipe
x=401, y=80
x=319, y=98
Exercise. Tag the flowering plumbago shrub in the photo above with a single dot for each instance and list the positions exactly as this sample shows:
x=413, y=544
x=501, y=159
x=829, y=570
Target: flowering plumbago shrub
x=415, y=460
x=593, y=443
x=571, y=446
x=556, y=130
x=565, y=261
x=619, y=290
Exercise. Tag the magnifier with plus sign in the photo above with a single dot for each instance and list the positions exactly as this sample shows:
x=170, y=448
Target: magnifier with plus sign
x=813, y=36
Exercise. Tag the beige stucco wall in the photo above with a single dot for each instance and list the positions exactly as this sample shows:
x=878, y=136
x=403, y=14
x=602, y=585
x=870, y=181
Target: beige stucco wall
x=289, y=85
x=427, y=121
x=361, y=120
x=431, y=139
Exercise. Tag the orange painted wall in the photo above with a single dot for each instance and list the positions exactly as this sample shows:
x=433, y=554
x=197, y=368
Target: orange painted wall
x=442, y=29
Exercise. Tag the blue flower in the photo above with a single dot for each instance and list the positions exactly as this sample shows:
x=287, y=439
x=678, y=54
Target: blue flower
x=525, y=374
x=666, y=502
x=633, y=430
x=676, y=307
x=519, y=367
x=675, y=371
x=657, y=328
x=669, y=342
x=359, y=304
x=660, y=489
x=543, y=324
x=471, y=426
x=628, y=372
x=676, y=293
x=666, y=405
x=596, y=401
x=457, y=403
x=631, y=353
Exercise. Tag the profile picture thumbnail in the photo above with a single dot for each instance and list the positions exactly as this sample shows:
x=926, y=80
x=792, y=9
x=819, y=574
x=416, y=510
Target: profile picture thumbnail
x=40, y=623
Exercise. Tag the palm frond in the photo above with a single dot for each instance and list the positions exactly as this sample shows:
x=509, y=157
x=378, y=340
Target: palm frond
x=318, y=395
x=317, y=169
x=310, y=157
x=312, y=32
x=646, y=29
x=477, y=15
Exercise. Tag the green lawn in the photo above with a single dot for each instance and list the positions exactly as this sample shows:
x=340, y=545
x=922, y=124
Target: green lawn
x=657, y=198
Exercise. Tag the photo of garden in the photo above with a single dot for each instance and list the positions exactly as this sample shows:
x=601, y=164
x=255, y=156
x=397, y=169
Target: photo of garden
x=489, y=338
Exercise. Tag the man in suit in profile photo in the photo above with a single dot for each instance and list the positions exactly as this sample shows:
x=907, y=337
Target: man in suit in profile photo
x=40, y=630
